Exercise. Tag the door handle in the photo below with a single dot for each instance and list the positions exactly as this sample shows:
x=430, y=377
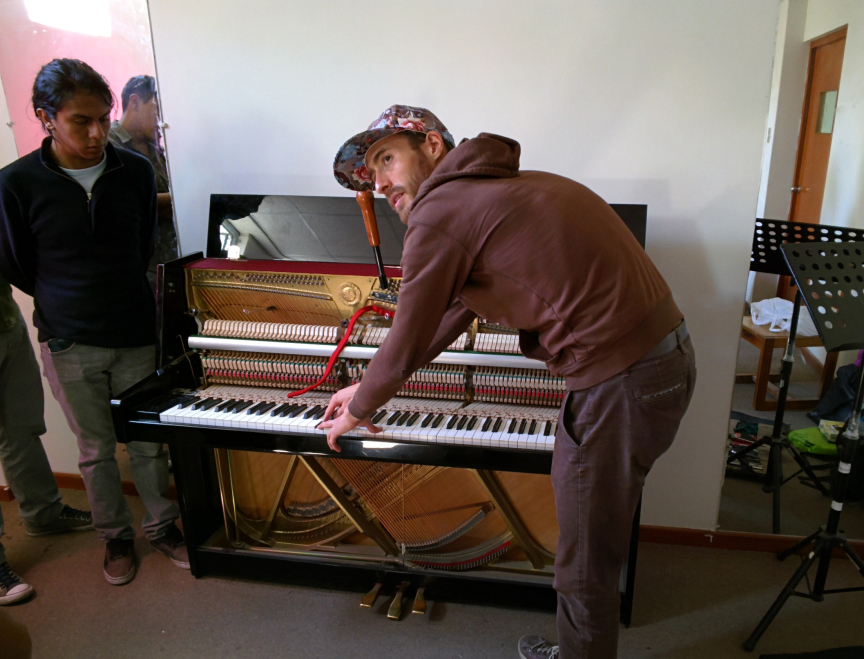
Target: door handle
x=796, y=189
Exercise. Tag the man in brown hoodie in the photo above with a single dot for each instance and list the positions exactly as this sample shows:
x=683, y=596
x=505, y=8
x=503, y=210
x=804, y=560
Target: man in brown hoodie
x=543, y=254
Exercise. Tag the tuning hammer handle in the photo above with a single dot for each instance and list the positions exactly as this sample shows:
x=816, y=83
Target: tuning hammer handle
x=367, y=204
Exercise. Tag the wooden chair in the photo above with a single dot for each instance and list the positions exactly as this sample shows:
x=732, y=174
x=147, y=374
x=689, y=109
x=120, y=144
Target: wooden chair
x=767, y=341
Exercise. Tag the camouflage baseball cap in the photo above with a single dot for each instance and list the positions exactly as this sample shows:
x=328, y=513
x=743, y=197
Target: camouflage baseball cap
x=349, y=167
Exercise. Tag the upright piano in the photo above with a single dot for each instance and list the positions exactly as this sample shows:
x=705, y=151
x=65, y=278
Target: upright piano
x=456, y=485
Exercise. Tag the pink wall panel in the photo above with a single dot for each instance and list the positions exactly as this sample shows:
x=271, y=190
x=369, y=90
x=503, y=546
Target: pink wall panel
x=25, y=46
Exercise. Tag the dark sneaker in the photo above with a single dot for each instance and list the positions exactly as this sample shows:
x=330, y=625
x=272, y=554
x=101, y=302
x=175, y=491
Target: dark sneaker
x=69, y=519
x=537, y=647
x=119, y=566
x=173, y=546
x=12, y=589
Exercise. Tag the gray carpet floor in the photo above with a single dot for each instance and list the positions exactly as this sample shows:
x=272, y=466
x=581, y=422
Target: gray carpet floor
x=690, y=603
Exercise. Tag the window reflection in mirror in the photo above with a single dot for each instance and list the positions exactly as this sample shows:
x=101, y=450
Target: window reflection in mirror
x=113, y=37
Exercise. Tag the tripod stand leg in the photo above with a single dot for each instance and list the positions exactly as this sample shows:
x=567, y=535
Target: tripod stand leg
x=785, y=594
x=854, y=557
x=747, y=449
x=786, y=553
x=805, y=466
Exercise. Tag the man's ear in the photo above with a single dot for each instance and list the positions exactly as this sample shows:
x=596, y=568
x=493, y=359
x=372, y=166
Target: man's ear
x=435, y=145
x=134, y=102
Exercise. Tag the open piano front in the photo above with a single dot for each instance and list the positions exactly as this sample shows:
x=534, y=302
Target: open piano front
x=458, y=482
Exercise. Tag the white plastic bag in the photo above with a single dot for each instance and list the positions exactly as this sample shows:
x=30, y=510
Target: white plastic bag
x=774, y=311
x=778, y=313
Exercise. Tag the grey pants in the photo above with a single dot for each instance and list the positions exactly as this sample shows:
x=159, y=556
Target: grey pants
x=21, y=424
x=608, y=438
x=83, y=379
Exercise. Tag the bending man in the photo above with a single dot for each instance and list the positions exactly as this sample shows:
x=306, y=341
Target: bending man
x=543, y=254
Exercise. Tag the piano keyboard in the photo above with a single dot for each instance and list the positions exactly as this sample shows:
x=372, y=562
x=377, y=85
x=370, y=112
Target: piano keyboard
x=513, y=427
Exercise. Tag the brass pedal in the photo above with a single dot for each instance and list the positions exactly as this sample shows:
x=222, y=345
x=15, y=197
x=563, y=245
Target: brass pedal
x=395, y=610
x=419, y=602
x=370, y=597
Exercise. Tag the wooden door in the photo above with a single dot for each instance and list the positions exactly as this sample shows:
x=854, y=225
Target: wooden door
x=817, y=125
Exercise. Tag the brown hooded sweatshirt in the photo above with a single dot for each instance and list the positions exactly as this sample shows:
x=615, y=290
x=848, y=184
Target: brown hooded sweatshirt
x=528, y=250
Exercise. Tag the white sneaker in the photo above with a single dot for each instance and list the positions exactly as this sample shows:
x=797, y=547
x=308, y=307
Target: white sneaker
x=536, y=647
x=12, y=589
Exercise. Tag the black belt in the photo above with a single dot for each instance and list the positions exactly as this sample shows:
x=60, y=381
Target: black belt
x=669, y=342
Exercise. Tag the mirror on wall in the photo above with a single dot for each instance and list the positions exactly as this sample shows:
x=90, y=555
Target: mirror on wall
x=819, y=401
x=113, y=37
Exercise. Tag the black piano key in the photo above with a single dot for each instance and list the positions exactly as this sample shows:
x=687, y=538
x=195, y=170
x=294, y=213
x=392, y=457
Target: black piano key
x=187, y=401
x=438, y=420
x=203, y=401
x=291, y=409
x=393, y=418
x=412, y=419
x=471, y=423
x=312, y=410
x=497, y=425
x=486, y=424
x=452, y=422
x=532, y=427
x=320, y=412
x=512, y=427
x=213, y=402
x=266, y=408
x=256, y=407
x=296, y=411
x=429, y=418
x=462, y=423
x=402, y=419
x=275, y=411
x=522, y=426
x=225, y=404
x=548, y=430
x=241, y=406
x=379, y=416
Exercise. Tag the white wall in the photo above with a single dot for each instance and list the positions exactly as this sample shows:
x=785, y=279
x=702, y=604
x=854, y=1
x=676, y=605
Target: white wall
x=784, y=114
x=662, y=103
x=59, y=442
x=843, y=204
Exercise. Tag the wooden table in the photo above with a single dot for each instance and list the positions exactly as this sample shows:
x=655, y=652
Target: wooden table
x=768, y=341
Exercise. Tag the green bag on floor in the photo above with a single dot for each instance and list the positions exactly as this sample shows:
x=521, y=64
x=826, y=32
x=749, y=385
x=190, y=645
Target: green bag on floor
x=811, y=440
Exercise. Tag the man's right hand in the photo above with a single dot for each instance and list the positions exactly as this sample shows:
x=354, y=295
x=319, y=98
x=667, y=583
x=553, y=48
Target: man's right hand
x=337, y=417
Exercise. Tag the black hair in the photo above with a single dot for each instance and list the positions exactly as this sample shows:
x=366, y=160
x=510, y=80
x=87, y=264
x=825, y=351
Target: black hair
x=61, y=79
x=144, y=87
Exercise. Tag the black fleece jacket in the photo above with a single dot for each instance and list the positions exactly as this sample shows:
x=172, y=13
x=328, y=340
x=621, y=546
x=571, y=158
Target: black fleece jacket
x=82, y=257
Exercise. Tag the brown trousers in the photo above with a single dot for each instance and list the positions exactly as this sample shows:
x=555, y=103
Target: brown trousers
x=608, y=438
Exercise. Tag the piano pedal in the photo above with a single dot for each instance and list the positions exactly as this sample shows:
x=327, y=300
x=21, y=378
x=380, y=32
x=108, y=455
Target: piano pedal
x=370, y=597
x=419, y=602
x=395, y=610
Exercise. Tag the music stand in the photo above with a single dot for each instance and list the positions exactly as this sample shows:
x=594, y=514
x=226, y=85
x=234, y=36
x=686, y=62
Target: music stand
x=831, y=280
x=766, y=256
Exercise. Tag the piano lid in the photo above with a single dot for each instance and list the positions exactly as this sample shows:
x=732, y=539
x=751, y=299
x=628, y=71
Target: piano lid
x=323, y=229
x=299, y=228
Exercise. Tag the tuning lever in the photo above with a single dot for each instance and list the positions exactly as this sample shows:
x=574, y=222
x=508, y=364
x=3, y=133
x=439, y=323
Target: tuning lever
x=367, y=205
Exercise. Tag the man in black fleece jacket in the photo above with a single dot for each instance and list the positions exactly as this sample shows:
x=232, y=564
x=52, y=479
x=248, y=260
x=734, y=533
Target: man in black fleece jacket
x=77, y=228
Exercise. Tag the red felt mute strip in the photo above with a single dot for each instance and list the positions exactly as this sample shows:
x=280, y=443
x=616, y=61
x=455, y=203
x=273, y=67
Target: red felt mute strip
x=387, y=313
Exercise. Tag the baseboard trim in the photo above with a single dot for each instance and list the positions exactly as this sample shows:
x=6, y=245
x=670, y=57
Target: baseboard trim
x=761, y=542
x=75, y=482
x=6, y=494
